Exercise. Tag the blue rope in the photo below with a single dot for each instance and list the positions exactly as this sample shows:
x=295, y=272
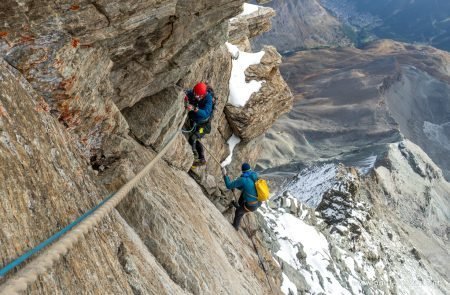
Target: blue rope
x=50, y=240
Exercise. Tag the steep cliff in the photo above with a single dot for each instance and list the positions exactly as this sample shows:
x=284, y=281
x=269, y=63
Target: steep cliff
x=90, y=91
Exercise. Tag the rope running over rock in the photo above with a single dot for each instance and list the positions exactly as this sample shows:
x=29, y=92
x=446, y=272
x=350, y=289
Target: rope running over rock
x=40, y=264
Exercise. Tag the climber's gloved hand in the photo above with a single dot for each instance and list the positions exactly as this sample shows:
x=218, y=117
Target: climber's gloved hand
x=224, y=171
x=189, y=107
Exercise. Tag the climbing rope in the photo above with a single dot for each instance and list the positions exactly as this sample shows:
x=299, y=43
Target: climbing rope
x=40, y=264
x=209, y=152
x=246, y=226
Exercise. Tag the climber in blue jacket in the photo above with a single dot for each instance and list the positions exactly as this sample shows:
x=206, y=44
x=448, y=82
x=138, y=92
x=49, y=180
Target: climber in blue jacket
x=199, y=103
x=248, y=201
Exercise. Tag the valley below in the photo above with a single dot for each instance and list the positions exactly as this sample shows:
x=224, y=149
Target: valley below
x=365, y=147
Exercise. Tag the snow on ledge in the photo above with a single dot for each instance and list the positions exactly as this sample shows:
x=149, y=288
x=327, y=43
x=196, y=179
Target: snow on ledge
x=249, y=8
x=288, y=287
x=240, y=90
x=232, y=142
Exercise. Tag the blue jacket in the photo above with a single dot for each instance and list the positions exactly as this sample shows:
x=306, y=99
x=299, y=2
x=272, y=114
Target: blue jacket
x=204, y=106
x=245, y=183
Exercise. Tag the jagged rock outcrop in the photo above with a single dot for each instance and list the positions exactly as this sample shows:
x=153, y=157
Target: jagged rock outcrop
x=356, y=236
x=338, y=203
x=265, y=106
x=253, y=119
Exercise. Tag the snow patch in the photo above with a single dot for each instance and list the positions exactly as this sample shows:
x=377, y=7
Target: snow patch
x=240, y=90
x=232, y=142
x=292, y=231
x=249, y=9
x=366, y=165
x=288, y=287
x=312, y=183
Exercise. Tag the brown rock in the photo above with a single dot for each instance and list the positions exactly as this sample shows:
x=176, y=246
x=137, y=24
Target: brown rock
x=264, y=107
x=66, y=50
x=180, y=155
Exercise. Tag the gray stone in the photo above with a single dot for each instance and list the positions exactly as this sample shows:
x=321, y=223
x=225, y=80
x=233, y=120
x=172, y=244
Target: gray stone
x=296, y=277
x=154, y=120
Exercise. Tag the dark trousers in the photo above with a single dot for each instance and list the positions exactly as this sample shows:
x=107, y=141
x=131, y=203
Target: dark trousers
x=198, y=131
x=197, y=147
x=240, y=211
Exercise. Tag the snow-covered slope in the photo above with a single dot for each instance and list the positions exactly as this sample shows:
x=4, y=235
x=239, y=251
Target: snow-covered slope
x=358, y=235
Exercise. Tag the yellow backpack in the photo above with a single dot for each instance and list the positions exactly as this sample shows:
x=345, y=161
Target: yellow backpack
x=262, y=190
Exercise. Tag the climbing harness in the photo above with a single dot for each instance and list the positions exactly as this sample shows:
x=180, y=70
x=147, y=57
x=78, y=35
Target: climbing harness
x=189, y=131
x=70, y=234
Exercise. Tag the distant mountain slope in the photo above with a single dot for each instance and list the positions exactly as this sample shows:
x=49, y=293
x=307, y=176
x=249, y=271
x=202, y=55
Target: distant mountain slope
x=350, y=103
x=301, y=24
x=422, y=21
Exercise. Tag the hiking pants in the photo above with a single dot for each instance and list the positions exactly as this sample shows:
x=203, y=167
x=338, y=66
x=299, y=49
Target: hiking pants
x=240, y=211
x=197, y=148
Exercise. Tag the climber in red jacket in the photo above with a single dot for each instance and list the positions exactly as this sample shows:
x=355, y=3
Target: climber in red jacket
x=199, y=103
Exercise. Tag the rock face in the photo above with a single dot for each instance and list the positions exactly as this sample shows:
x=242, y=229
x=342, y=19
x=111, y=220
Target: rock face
x=39, y=162
x=423, y=185
x=89, y=92
x=129, y=50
